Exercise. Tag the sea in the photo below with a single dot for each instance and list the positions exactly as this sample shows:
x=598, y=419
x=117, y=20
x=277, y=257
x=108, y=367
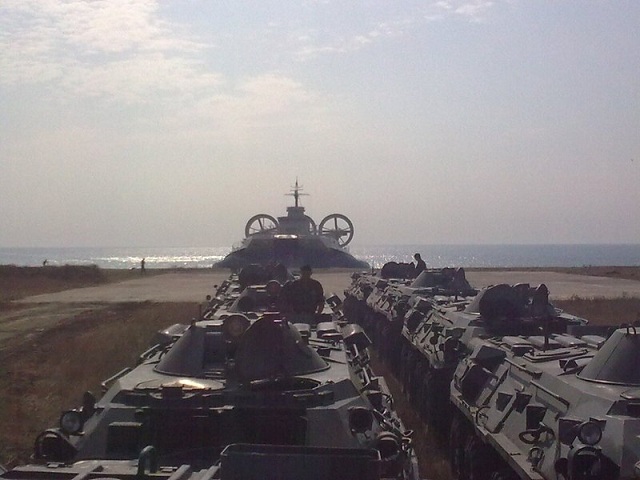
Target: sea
x=435, y=256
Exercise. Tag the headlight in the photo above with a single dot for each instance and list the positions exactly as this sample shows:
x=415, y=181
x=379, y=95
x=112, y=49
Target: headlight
x=589, y=433
x=235, y=325
x=71, y=422
x=273, y=288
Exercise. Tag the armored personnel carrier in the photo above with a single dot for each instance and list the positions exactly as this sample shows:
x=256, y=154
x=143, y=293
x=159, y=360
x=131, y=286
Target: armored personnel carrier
x=387, y=292
x=439, y=332
x=380, y=304
x=558, y=407
x=261, y=385
x=255, y=290
x=295, y=240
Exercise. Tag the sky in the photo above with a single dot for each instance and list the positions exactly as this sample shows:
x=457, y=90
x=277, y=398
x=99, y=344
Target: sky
x=148, y=123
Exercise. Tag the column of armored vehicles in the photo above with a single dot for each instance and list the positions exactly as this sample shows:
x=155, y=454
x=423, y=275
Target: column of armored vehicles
x=514, y=387
x=243, y=392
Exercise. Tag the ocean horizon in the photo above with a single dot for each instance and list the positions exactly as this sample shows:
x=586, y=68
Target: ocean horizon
x=435, y=256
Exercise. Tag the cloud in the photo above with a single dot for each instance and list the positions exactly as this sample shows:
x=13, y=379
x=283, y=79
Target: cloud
x=123, y=53
x=474, y=10
x=258, y=108
x=329, y=41
x=120, y=49
x=314, y=43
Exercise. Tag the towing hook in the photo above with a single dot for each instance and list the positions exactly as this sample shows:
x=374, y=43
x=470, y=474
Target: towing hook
x=148, y=458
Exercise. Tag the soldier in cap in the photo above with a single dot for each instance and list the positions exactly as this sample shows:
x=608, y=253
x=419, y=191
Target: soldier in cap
x=303, y=295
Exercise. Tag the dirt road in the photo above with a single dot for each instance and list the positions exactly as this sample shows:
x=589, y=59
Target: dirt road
x=37, y=313
x=193, y=287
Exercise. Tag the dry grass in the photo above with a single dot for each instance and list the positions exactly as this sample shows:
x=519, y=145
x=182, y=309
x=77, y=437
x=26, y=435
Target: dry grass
x=20, y=282
x=47, y=372
x=628, y=273
x=603, y=311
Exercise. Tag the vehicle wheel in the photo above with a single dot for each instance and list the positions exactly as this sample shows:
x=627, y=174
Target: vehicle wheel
x=477, y=459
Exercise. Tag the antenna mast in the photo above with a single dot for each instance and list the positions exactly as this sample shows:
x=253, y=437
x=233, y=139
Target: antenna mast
x=295, y=192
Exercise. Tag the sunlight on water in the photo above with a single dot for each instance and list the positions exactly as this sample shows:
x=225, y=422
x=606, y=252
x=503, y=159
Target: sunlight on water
x=120, y=258
x=435, y=256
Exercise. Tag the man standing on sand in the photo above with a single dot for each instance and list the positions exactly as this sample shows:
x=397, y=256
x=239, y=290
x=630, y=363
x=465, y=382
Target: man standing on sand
x=420, y=265
x=304, y=295
x=142, y=262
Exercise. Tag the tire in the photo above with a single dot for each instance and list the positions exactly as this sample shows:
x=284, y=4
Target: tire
x=478, y=461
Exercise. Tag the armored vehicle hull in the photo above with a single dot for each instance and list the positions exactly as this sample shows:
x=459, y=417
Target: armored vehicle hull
x=566, y=410
x=437, y=334
x=237, y=462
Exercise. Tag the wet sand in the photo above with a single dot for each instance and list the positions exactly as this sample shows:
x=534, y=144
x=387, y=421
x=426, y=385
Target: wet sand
x=193, y=287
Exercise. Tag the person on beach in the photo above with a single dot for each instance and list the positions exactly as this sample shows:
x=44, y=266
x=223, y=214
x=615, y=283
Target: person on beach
x=420, y=265
x=304, y=295
x=142, y=262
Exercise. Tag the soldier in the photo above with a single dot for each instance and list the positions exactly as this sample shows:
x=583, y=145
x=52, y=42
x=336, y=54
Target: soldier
x=304, y=295
x=420, y=265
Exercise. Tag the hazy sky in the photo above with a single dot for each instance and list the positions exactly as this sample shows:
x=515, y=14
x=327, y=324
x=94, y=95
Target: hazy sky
x=147, y=123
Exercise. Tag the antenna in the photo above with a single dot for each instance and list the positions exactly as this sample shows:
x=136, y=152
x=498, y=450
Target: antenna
x=295, y=192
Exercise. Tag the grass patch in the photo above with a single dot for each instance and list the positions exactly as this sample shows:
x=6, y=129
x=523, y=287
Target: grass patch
x=20, y=282
x=603, y=311
x=48, y=372
x=626, y=272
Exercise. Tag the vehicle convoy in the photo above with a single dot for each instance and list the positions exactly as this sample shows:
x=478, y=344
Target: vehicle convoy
x=559, y=407
x=387, y=292
x=242, y=392
x=295, y=240
x=381, y=302
x=519, y=388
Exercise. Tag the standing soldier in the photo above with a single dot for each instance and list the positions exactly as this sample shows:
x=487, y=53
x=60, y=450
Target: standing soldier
x=304, y=295
x=420, y=265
